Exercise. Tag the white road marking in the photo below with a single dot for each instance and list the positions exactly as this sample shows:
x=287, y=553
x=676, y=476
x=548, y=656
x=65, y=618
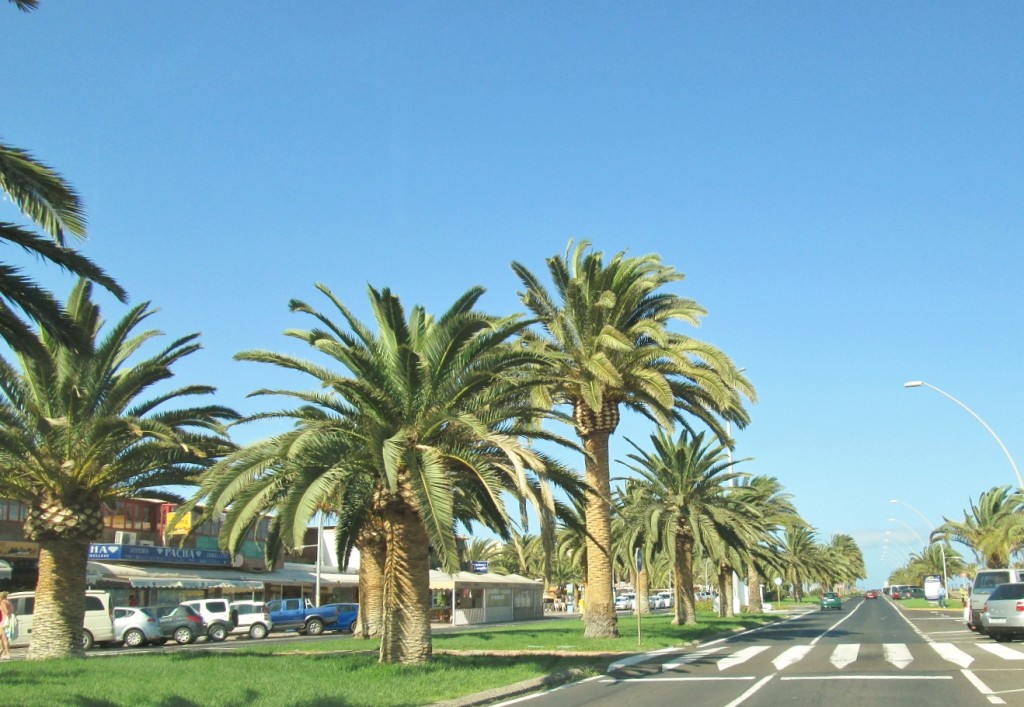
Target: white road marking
x=686, y=678
x=947, y=651
x=790, y=656
x=898, y=654
x=982, y=687
x=690, y=658
x=844, y=654
x=871, y=677
x=740, y=657
x=1004, y=652
x=753, y=688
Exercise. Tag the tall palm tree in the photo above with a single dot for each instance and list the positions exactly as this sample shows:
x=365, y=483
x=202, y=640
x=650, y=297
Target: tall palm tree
x=775, y=511
x=44, y=197
x=844, y=562
x=606, y=333
x=992, y=527
x=682, y=488
x=800, y=552
x=427, y=417
x=76, y=432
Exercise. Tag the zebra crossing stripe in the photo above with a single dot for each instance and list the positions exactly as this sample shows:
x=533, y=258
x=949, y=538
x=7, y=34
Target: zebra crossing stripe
x=947, y=651
x=898, y=654
x=740, y=657
x=790, y=656
x=1004, y=652
x=844, y=654
x=691, y=658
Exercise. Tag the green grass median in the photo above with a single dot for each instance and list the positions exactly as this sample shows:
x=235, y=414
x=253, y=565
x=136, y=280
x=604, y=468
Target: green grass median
x=344, y=670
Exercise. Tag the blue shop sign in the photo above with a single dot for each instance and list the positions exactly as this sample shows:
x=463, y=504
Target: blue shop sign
x=480, y=566
x=162, y=555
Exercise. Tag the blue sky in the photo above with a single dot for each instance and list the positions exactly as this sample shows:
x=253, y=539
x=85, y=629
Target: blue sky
x=840, y=184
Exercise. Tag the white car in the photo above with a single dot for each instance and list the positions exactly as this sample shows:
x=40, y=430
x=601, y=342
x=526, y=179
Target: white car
x=98, y=626
x=220, y=620
x=625, y=602
x=667, y=600
x=253, y=618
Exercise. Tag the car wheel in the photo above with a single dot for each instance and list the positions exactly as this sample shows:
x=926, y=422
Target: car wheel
x=87, y=641
x=133, y=638
x=314, y=627
x=218, y=632
x=184, y=635
x=257, y=631
x=353, y=626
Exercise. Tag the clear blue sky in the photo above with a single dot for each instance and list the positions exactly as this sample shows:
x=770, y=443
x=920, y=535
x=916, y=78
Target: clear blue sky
x=841, y=185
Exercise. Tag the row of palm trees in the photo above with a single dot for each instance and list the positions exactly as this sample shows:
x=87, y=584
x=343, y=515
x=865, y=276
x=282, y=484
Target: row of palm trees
x=414, y=425
x=992, y=531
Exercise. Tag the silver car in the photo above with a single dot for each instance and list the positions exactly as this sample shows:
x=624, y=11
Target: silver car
x=136, y=626
x=1002, y=617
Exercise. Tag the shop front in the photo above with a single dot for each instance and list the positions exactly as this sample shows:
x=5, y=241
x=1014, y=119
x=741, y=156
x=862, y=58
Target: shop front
x=466, y=598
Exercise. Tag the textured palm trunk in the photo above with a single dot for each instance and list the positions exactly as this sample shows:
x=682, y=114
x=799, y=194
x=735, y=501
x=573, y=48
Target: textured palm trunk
x=754, y=582
x=406, y=627
x=60, y=599
x=728, y=589
x=643, y=592
x=372, y=557
x=686, y=607
x=599, y=619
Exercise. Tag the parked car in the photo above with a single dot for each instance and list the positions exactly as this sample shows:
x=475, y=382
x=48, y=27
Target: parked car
x=705, y=596
x=253, y=617
x=217, y=614
x=871, y=594
x=667, y=599
x=831, y=600
x=348, y=617
x=301, y=615
x=98, y=626
x=984, y=583
x=182, y=623
x=654, y=601
x=625, y=602
x=136, y=626
x=1002, y=616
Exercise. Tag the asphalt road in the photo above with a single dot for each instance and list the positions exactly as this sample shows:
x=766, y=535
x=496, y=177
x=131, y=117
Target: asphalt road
x=870, y=653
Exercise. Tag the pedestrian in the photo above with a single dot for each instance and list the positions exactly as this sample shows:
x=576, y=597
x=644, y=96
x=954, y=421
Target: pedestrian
x=942, y=597
x=8, y=622
x=132, y=600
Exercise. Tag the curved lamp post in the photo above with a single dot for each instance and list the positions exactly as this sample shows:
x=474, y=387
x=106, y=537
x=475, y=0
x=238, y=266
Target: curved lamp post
x=918, y=384
x=942, y=549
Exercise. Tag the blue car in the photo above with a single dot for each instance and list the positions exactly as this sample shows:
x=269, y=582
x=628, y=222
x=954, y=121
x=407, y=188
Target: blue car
x=347, y=617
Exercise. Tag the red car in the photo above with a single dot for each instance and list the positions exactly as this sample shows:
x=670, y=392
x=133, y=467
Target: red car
x=895, y=593
x=871, y=594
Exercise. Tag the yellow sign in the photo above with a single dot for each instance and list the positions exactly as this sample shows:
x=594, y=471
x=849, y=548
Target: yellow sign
x=184, y=524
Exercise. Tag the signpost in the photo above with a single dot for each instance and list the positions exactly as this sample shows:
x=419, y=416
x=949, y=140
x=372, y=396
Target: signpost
x=778, y=588
x=639, y=558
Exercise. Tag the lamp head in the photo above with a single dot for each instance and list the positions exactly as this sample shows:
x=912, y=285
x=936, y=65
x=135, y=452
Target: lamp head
x=895, y=500
x=913, y=384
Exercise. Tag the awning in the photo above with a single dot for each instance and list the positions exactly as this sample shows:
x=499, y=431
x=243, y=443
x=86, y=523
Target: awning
x=168, y=578
x=197, y=578
x=470, y=580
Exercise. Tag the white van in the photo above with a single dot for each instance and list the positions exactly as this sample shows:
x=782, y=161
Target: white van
x=99, y=624
x=984, y=582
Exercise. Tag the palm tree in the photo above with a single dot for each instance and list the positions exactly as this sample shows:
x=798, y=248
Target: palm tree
x=609, y=346
x=844, y=562
x=46, y=199
x=425, y=422
x=992, y=528
x=801, y=555
x=775, y=511
x=76, y=433
x=682, y=491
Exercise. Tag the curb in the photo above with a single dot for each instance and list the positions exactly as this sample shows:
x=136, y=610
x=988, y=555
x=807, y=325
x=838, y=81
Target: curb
x=515, y=690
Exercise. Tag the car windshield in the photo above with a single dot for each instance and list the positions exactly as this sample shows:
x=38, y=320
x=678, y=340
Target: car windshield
x=1008, y=591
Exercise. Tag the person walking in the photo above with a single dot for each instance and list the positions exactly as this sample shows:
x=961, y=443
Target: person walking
x=6, y=620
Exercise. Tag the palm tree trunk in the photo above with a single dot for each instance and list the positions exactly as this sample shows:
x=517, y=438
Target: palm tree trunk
x=754, y=585
x=599, y=619
x=372, y=557
x=686, y=608
x=60, y=599
x=406, y=628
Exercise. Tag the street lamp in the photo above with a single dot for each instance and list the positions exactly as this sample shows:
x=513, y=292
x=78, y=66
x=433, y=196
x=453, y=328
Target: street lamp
x=931, y=527
x=319, y=555
x=908, y=527
x=918, y=384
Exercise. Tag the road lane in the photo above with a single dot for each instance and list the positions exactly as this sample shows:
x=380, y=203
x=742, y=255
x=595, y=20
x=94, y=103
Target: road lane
x=867, y=654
